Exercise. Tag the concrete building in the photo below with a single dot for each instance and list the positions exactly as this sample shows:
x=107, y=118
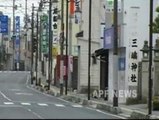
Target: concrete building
x=133, y=30
x=97, y=19
x=133, y=21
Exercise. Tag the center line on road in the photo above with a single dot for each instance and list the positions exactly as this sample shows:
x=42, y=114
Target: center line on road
x=5, y=96
x=14, y=89
x=23, y=93
x=42, y=104
x=59, y=105
x=77, y=105
x=8, y=103
x=25, y=103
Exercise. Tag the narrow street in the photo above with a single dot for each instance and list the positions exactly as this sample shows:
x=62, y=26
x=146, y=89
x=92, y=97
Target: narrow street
x=19, y=101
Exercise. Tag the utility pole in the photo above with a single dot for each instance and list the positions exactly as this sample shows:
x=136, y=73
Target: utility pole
x=66, y=81
x=13, y=33
x=115, y=56
x=26, y=29
x=50, y=43
x=70, y=36
x=89, y=46
x=37, y=33
x=32, y=24
x=150, y=58
x=61, y=47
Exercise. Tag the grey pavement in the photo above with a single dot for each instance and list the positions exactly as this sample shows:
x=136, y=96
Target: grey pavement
x=20, y=100
x=138, y=111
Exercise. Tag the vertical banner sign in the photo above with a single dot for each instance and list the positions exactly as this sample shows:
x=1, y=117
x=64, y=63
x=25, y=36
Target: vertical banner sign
x=108, y=41
x=17, y=40
x=110, y=6
x=44, y=37
x=72, y=7
x=77, y=8
x=55, y=18
x=55, y=31
x=133, y=50
x=3, y=24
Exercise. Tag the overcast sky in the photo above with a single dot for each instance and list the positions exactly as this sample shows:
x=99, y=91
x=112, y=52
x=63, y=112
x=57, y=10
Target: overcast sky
x=6, y=8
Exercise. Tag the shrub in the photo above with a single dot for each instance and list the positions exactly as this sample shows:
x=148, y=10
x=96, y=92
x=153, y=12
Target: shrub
x=132, y=101
x=156, y=103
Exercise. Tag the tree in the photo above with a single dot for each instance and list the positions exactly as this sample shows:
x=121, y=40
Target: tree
x=156, y=22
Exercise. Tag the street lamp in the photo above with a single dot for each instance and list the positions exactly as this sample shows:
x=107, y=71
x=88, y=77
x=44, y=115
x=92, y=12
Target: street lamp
x=145, y=50
x=156, y=49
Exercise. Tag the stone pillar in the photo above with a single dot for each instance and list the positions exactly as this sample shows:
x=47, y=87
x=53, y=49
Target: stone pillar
x=145, y=71
x=145, y=77
x=156, y=69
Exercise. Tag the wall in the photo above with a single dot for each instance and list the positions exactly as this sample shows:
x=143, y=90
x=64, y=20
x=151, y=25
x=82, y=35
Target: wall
x=97, y=16
x=142, y=27
x=127, y=26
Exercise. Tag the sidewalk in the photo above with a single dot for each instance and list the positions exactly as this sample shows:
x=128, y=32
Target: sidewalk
x=137, y=111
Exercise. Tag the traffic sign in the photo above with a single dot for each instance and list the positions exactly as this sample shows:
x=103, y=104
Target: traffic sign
x=17, y=40
x=3, y=24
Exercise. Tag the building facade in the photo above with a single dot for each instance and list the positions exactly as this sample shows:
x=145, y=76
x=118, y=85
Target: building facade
x=133, y=30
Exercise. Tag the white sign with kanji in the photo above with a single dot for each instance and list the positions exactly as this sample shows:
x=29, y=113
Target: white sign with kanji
x=133, y=59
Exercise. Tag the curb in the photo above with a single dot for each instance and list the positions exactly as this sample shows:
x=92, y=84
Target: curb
x=105, y=107
x=125, y=112
x=139, y=115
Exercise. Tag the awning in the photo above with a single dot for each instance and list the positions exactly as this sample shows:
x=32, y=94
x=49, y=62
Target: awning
x=100, y=52
x=79, y=34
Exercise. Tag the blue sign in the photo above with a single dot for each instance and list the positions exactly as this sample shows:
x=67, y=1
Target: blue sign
x=108, y=38
x=17, y=40
x=3, y=24
x=121, y=63
x=17, y=23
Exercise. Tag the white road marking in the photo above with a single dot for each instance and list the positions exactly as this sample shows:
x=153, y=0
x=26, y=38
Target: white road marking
x=111, y=114
x=5, y=96
x=29, y=110
x=8, y=103
x=64, y=100
x=78, y=106
x=42, y=104
x=23, y=93
x=25, y=103
x=10, y=106
x=90, y=108
x=35, y=114
x=59, y=105
x=14, y=89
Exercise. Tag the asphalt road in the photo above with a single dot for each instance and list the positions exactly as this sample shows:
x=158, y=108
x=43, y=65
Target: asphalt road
x=20, y=101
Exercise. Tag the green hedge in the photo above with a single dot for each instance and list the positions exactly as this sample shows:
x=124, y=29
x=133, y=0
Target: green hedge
x=132, y=101
x=156, y=103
